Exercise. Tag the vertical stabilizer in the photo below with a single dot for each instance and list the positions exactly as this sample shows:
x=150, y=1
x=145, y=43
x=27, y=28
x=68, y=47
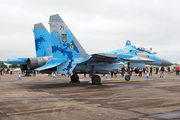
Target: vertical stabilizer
x=64, y=44
x=42, y=41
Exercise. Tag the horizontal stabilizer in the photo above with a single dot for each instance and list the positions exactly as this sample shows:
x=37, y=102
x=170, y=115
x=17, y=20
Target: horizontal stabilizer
x=16, y=61
x=64, y=66
x=50, y=65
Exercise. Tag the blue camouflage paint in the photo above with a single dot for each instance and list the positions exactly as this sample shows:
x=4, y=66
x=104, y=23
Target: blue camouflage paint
x=16, y=61
x=69, y=56
x=130, y=51
x=55, y=48
x=42, y=43
x=71, y=53
x=75, y=47
x=22, y=59
x=67, y=52
x=38, y=42
x=69, y=64
x=135, y=51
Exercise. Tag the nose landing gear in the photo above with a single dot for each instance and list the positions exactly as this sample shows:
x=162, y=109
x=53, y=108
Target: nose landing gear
x=127, y=77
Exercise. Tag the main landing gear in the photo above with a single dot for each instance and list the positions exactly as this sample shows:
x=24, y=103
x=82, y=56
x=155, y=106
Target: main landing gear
x=96, y=80
x=74, y=78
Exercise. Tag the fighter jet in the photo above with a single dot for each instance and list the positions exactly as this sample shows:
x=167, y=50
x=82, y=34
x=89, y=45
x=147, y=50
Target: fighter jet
x=43, y=50
x=70, y=57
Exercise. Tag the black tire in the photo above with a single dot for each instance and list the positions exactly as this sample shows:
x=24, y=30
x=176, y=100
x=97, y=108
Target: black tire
x=127, y=77
x=96, y=80
x=75, y=78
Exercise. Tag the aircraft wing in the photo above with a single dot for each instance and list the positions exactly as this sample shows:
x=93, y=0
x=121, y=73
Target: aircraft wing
x=124, y=58
x=106, y=57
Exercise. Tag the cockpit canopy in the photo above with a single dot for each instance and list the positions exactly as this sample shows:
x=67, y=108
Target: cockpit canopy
x=145, y=50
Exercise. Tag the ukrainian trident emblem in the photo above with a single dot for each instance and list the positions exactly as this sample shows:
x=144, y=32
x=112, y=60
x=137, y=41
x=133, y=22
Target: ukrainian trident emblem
x=64, y=37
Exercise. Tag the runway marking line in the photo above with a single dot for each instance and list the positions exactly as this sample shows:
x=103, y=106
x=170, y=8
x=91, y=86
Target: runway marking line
x=120, y=81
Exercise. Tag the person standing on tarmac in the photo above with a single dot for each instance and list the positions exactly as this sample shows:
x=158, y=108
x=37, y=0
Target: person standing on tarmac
x=162, y=72
x=150, y=73
x=115, y=73
x=3, y=71
x=140, y=72
x=169, y=70
x=157, y=69
x=130, y=71
x=177, y=70
x=146, y=70
x=136, y=70
x=112, y=72
x=122, y=71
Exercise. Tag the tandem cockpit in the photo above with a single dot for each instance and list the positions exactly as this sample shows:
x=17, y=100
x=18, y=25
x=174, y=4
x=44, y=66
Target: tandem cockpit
x=145, y=50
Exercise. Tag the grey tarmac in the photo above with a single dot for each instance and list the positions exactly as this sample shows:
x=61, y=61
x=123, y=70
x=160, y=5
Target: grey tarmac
x=48, y=98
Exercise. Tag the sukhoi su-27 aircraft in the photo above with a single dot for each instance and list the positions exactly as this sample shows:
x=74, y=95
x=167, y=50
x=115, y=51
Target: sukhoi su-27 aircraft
x=70, y=57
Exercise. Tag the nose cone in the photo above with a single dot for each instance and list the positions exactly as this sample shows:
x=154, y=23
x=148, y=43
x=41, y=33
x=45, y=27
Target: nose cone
x=165, y=62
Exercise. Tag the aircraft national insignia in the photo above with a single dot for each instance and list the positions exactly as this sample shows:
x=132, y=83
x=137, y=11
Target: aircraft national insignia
x=64, y=37
x=71, y=47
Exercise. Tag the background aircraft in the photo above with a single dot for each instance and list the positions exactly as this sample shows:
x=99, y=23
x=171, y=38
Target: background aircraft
x=43, y=50
x=69, y=56
x=140, y=56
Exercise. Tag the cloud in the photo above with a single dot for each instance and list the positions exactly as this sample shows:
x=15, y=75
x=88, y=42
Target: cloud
x=98, y=25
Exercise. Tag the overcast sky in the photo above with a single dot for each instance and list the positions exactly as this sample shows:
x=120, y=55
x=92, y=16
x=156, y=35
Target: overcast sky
x=99, y=25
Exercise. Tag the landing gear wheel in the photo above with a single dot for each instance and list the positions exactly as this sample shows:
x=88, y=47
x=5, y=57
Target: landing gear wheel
x=127, y=77
x=96, y=80
x=75, y=78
